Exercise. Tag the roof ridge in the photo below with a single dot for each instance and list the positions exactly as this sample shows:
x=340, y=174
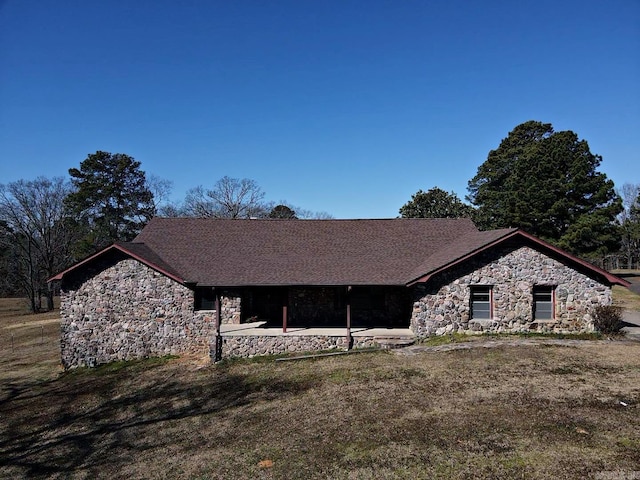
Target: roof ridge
x=385, y=219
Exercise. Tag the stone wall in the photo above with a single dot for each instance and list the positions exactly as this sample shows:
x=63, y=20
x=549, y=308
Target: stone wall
x=123, y=309
x=230, y=308
x=120, y=309
x=443, y=305
x=251, y=345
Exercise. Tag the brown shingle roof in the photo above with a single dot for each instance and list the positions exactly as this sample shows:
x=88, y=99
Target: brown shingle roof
x=148, y=256
x=219, y=252
x=300, y=252
x=463, y=246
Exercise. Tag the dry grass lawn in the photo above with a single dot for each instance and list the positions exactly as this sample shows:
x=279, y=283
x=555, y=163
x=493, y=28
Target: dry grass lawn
x=508, y=412
x=626, y=298
x=29, y=344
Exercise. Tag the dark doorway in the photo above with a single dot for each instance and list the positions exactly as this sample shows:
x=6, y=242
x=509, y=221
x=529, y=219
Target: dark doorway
x=380, y=307
x=371, y=306
x=264, y=304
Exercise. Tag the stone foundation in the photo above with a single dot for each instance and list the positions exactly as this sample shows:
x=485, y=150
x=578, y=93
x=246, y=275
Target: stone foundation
x=443, y=305
x=252, y=345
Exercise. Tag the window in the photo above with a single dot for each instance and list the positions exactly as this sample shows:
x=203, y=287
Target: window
x=481, y=302
x=543, y=302
x=205, y=299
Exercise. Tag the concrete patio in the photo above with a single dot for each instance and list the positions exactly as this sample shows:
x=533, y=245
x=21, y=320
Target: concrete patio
x=260, y=329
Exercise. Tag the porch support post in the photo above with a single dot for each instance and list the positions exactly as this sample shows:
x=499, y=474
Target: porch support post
x=349, y=337
x=285, y=302
x=217, y=352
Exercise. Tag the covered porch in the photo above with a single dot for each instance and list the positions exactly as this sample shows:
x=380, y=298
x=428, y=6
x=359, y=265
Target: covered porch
x=273, y=320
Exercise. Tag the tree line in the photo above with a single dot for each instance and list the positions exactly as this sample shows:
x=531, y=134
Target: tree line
x=47, y=224
x=540, y=180
x=546, y=183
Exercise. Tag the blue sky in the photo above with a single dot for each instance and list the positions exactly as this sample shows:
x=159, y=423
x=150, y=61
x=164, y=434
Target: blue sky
x=347, y=107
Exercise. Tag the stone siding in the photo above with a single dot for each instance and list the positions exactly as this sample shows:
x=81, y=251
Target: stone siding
x=120, y=309
x=230, y=308
x=443, y=305
x=251, y=345
x=126, y=310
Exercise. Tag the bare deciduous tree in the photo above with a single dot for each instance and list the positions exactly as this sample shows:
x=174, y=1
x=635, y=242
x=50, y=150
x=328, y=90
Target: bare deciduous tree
x=236, y=198
x=630, y=223
x=160, y=189
x=229, y=198
x=34, y=222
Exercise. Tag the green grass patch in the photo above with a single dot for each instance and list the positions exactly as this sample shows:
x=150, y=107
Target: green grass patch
x=561, y=336
x=629, y=444
x=437, y=340
x=258, y=359
x=309, y=356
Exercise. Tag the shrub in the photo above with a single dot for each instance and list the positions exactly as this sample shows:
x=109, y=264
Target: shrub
x=608, y=318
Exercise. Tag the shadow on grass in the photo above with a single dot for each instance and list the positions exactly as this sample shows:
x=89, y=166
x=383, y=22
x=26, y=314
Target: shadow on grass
x=92, y=420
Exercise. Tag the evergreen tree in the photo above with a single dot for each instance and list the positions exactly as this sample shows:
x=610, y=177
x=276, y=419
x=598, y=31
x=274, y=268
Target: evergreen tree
x=435, y=203
x=282, y=212
x=547, y=183
x=111, y=199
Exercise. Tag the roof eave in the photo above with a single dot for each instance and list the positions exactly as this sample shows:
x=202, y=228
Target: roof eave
x=195, y=284
x=612, y=279
x=424, y=278
x=122, y=249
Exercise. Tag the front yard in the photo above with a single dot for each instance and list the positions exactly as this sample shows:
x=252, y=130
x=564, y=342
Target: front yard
x=505, y=412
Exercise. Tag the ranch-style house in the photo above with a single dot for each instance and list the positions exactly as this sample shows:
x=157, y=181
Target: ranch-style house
x=227, y=288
